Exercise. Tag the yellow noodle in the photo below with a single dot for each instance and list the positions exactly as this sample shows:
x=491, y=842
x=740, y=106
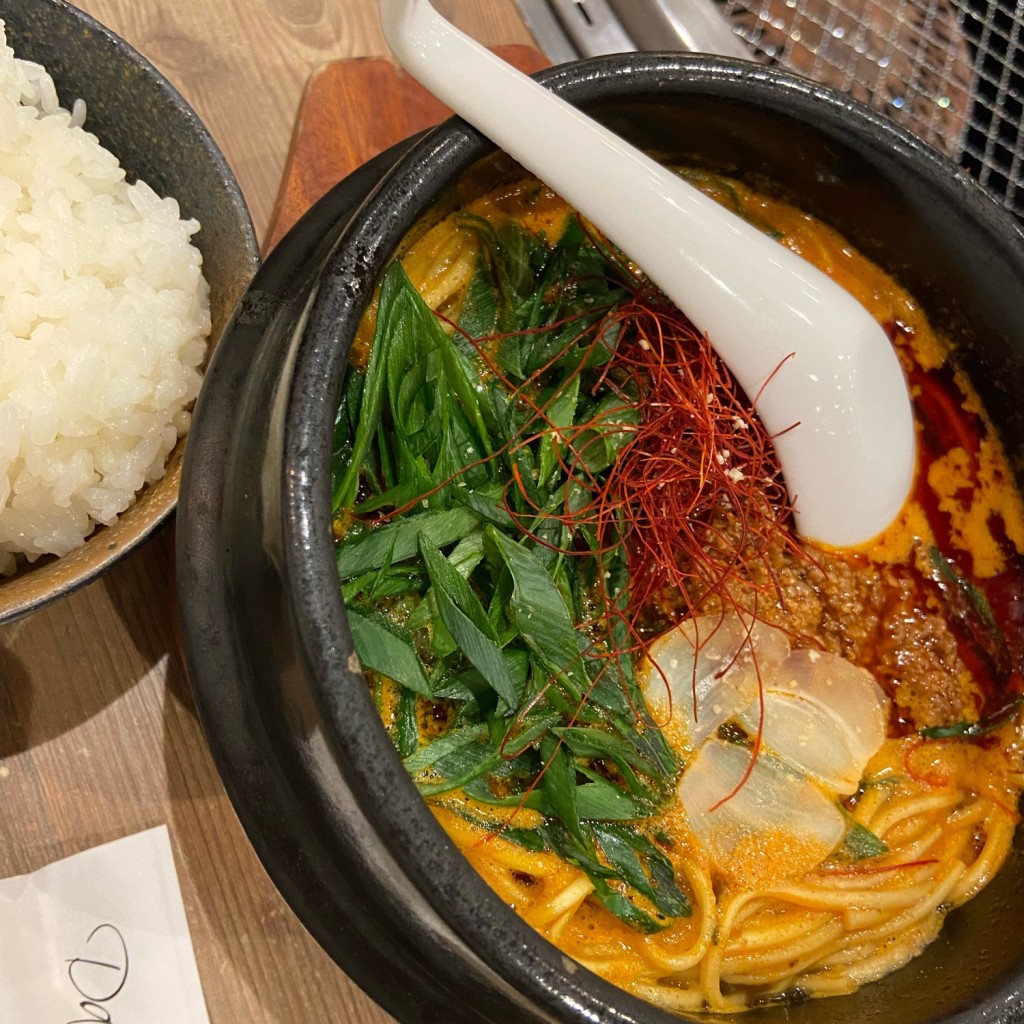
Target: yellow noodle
x=869, y=963
x=517, y=858
x=670, y=997
x=906, y=872
x=792, y=957
x=855, y=920
x=704, y=907
x=863, y=899
x=920, y=847
x=828, y=985
x=914, y=911
x=901, y=810
x=999, y=829
x=754, y=935
x=561, y=904
x=869, y=803
x=441, y=264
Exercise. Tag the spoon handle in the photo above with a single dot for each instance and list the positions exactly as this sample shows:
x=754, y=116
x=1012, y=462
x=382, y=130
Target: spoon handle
x=828, y=384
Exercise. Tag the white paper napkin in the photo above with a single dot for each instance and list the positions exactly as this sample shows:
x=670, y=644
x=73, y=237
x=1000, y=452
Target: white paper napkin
x=100, y=936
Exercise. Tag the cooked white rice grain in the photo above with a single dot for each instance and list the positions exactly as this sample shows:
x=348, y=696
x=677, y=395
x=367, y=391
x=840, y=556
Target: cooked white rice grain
x=104, y=316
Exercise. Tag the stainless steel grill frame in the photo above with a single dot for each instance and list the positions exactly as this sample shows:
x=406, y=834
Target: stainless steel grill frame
x=952, y=71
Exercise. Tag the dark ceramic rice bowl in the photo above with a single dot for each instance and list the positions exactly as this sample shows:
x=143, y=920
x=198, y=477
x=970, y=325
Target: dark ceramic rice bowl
x=312, y=774
x=140, y=117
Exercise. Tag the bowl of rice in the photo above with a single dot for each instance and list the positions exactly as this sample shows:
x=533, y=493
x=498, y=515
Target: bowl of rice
x=125, y=244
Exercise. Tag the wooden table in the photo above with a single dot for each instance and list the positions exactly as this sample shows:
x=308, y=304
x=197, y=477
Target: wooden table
x=98, y=733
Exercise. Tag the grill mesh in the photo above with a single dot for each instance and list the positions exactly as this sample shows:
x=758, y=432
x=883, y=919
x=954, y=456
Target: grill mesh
x=952, y=71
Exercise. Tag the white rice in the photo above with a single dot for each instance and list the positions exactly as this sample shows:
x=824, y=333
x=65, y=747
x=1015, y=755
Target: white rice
x=104, y=315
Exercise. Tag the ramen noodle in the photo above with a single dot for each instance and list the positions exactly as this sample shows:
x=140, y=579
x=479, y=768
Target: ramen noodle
x=714, y=763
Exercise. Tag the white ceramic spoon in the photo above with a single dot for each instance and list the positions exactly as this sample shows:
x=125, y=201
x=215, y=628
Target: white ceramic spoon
x=848, y=465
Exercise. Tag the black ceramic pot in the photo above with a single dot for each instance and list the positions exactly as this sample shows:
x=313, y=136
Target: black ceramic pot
x=315, y=780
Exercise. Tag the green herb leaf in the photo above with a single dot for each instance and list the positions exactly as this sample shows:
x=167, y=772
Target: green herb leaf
x=972, y=730
x=540, y=614
x=478, y=316
x=860, y=843
x=464, y=558
x=624, y=909
x=560, y=413
x=461, y=767
x=599, y=800
x=400, y=537
x=531, y=839
x=643, y=866
x=372, y=402
x=970, y=606
x=381, y=584
x=407, y=729
x=525, y=731
x=543, y=716
x=582, y=853
x=447, y=580
x=467, y=622
x=599, y=743
x=430, y=753
x=382, y=648
x=560, y=784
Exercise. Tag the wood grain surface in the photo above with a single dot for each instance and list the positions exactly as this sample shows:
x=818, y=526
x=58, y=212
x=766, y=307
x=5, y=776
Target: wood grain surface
x=335, y=132
x=98, y=733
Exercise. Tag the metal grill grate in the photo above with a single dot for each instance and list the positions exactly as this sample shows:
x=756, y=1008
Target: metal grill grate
x=952, y=71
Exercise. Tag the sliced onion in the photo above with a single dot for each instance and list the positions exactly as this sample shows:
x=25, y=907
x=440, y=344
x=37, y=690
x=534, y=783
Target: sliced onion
x=820, y=718
x=823, y=714
x=776, y=811
x=718, y=660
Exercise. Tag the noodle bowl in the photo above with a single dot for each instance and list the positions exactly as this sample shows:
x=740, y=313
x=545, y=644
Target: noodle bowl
x=318, y=783
x=845, y=725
